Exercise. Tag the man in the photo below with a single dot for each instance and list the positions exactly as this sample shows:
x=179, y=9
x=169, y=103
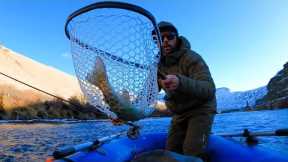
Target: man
x=190, y=93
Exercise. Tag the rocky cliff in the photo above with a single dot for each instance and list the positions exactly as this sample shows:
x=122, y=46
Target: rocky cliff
x=277, y=96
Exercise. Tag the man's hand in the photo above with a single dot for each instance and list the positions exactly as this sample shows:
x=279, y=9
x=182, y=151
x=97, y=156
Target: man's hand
x=170, y=83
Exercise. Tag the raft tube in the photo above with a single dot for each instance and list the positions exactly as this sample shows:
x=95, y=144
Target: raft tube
x=219, y=149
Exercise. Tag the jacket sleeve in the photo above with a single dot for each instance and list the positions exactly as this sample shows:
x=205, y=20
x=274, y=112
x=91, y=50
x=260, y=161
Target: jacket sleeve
x=198, y=81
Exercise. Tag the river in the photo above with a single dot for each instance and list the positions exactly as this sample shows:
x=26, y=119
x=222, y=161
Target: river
x=34, y=142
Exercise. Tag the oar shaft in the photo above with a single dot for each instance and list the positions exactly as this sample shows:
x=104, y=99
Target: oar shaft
x=264, y=133
x=73, y=149
x=279, y=132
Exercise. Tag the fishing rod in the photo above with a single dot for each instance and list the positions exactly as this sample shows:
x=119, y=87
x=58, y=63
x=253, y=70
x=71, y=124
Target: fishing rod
x=47, y=93
x=135, y=127
x=74, y=106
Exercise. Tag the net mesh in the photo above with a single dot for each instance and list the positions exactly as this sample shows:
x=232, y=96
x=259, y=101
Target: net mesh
x=115, y=60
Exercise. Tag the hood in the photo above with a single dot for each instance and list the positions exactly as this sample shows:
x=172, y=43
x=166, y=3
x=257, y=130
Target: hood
x=184, y=43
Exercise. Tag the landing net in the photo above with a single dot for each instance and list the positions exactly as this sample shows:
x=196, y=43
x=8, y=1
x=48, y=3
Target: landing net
x=115, y=60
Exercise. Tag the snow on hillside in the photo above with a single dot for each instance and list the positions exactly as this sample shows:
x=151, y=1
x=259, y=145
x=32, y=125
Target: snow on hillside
x=227, y=100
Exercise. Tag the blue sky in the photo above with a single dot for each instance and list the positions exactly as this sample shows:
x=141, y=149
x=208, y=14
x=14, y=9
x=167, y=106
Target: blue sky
x=244, y=42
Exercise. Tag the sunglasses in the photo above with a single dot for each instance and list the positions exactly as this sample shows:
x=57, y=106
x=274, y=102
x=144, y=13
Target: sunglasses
x=169, y=36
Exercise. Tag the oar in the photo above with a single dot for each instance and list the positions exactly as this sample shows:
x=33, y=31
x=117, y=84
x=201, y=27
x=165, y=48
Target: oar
x=63, y=152
x=246, y=133
x=132, y=133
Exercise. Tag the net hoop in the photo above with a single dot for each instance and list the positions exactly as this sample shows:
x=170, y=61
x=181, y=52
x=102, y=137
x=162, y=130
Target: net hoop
x=110, y=4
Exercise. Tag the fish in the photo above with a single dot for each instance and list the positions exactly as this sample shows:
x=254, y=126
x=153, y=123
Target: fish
x=121, y=105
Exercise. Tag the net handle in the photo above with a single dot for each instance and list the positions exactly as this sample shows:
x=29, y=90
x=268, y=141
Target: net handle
x=110, y=4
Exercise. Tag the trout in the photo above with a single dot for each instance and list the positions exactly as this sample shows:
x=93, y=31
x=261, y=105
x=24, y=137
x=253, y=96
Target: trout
x=119, y=104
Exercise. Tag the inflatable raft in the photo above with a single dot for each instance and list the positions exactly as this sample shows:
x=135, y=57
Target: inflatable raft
x=124, y=149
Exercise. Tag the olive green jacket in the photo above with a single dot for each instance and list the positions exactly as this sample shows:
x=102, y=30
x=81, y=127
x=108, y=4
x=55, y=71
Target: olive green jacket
x=196, y=90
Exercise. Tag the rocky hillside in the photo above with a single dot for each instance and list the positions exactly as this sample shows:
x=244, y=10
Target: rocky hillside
x=277, y=96
x=19, y=101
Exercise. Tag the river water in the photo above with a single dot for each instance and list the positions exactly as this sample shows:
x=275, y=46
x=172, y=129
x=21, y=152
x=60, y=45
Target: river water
x=34, y=142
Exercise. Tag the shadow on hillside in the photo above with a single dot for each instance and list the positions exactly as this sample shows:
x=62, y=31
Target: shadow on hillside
x=55, y=109
x=18, y=104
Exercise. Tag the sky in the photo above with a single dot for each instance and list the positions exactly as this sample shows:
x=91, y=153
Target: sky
x=244, y=42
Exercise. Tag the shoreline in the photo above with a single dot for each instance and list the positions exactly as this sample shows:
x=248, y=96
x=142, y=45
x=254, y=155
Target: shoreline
x=51, y=121
x=60, y=121
x=71, y=121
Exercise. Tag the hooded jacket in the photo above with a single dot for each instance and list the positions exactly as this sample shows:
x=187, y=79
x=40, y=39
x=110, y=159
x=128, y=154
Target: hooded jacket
x=196, y=90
